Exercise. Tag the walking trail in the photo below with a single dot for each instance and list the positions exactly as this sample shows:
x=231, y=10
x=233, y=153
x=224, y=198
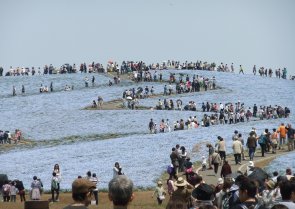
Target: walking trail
x=209, y=175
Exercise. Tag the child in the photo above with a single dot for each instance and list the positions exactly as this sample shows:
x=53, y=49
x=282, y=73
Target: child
x=204, y=163
x=160, y=193
x=13, y=191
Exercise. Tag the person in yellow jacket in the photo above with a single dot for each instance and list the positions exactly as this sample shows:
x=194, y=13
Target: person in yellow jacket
x=282, y=131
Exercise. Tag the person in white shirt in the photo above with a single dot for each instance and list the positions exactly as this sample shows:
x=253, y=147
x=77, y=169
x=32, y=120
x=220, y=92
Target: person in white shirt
x=117, y=170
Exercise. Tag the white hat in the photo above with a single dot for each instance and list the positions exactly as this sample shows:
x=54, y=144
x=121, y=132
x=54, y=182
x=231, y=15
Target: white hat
x=220, y=181
x=251, y=163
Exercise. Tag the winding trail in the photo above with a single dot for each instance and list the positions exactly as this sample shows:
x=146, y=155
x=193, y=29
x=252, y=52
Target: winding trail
x=210, y=178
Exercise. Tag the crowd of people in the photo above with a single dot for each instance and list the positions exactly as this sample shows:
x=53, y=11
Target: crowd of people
x=139, y=66
x=252, y=189
x=229, y=114
x=185, y=187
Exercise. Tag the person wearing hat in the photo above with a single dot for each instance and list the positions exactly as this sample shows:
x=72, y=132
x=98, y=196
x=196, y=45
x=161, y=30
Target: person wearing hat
x=82, y=190
x=202, y=195
x=181, y=196
x=121, y=191
x=268, y=196
x=159, y=192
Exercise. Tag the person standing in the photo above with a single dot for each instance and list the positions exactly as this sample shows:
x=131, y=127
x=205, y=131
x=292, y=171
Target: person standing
x=23, y=89
x=81, y=193
x=6, y=191
x=251, y=144
x=216, y=160
x=13, y=91
x=121, y=192
x=54, y=187
x=237, y=150
x=93, y=80
x=291, y=136
x=56, y=170
x=247, y=195
x=181, y=195
x=274, y=141
x=94, y=179
x=36, y=189
x=240, y=138
x=21, y=190
x=262, y=142
x=13, y=191
x=117, y=170
x=175, y=157
x=211, y=151
x=225, y=170
x=282, y=131
x=221, y=147
x=151, y=126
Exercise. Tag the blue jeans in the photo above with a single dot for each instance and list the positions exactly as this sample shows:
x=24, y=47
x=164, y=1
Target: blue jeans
x=251, y=152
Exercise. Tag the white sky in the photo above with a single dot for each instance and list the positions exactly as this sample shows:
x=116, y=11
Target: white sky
x=39, y=32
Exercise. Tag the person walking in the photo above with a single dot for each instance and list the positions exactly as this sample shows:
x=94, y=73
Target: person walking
x=251, y=144
x=262, y=142
x=237, y=150
x=225, y=170
x=159, y=192
x=94, y=179
x=221, y=148
x=291, y=136
x=210, y=152
x=274, y=141
x=282, y=131
x=216, y=160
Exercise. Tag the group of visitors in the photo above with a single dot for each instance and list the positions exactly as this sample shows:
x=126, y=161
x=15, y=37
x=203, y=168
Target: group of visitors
x=169, y=104
x=269, y=72
x=247, y=190
x=139, y=93
x=7, y=138
x=10, y=189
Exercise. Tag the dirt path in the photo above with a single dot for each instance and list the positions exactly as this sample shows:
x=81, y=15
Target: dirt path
x=259, y=161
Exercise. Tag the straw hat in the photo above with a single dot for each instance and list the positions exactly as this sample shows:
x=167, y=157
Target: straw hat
x=180, y=182
x=160, y=183
x=270, y=184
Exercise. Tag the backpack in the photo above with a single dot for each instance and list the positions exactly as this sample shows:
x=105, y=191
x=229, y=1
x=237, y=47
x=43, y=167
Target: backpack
x=169, y=169
x=261, y=139
x=6, y=190
x=54, y=184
